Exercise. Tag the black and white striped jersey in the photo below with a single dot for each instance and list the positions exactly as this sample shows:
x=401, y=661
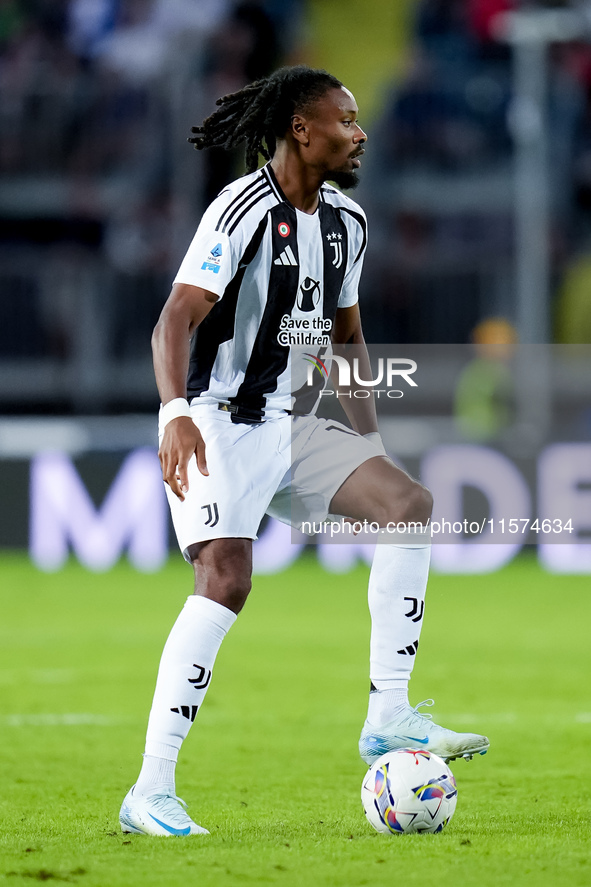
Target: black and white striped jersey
x=280, y=274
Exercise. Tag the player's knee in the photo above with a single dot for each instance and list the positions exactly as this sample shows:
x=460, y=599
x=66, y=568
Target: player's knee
x=233, y=592
x=415, y=504
x=229, y=590
x=418, y=504
x=223, y=570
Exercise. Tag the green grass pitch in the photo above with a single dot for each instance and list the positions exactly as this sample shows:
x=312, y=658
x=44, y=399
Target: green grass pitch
x=271, y=766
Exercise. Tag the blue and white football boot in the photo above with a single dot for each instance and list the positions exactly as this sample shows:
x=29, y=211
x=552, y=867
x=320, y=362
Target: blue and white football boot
x=162, y=815
x=410, y=729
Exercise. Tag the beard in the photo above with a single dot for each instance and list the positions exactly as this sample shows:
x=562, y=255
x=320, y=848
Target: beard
x=345, y=180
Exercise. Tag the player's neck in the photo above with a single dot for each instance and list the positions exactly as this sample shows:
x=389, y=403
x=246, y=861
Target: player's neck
x=299, y=183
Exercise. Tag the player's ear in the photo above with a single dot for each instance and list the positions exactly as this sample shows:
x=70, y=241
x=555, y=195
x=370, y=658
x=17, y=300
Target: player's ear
x=300, y=130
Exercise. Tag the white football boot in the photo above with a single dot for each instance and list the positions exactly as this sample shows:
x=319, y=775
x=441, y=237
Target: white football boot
x=158, y=814
x=410, y=729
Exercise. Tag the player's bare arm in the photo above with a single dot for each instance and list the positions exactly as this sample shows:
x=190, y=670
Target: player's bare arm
x=184, y=310
x=347, y=330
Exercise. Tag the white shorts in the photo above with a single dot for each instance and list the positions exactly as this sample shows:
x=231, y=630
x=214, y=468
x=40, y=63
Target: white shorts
x=287, y=467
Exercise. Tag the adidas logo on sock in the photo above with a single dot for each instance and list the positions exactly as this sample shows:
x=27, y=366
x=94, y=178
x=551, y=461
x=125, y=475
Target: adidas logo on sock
x=410, y=650
x=286, y=257
x=187, y=711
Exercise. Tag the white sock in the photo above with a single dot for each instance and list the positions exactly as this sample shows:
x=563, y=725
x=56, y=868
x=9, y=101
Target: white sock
x=183, y=679
x=384, y=705
x=157, y=774
x=396, y=596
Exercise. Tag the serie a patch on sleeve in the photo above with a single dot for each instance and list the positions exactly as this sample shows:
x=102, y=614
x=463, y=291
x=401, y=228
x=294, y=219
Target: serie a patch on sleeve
x=214, y=259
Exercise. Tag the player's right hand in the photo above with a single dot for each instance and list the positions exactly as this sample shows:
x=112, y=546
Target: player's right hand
x=181, y=441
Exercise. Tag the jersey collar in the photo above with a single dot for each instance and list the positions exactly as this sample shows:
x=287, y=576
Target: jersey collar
x=272, y=178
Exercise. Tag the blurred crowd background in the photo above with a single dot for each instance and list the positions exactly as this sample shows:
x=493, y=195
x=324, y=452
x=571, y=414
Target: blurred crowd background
x=100, y=192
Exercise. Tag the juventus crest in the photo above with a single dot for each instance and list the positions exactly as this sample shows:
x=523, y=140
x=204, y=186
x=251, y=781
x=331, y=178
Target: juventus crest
x=335, y=241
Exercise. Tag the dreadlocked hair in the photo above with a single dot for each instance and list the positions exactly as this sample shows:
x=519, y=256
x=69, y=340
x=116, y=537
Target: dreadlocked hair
x=261, y=112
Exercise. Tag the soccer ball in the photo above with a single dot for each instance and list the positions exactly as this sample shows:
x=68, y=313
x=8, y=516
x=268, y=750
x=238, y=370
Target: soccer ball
x=408, y=791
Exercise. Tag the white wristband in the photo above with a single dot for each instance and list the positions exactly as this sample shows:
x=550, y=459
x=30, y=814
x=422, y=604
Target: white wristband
x=376, y=439
x=179, y=406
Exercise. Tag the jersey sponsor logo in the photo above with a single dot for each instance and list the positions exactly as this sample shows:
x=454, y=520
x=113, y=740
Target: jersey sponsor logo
x=286, y=257
x=308, y=294
x=304, y=330
x=209, y=266
x=283, y=229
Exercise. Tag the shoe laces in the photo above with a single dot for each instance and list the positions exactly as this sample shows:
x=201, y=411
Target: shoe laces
x=417, y=714
x=168, y=805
